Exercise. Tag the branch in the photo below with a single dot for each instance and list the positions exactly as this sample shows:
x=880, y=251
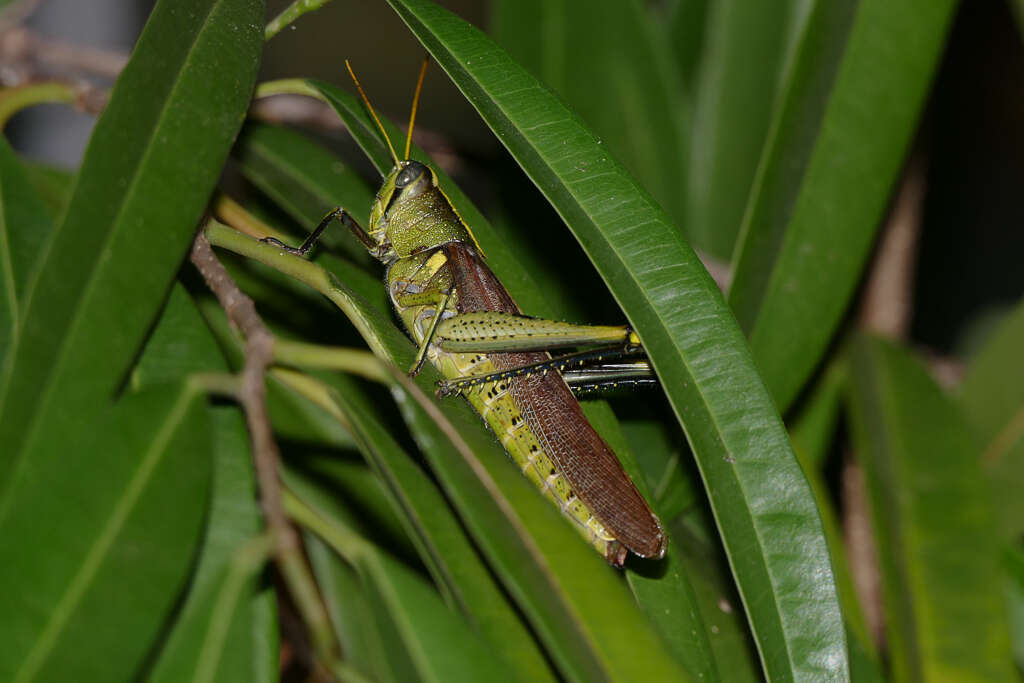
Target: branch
x=27, y=57
x=259, y=353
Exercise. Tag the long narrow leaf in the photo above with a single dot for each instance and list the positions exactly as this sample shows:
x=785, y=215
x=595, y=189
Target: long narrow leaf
x=154, y=156
x=940, y=562
x=848, y=111
x=769, y=523
x=736, y=84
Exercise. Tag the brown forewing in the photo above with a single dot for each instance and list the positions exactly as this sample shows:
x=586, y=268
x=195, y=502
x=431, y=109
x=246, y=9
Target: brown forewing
x=552, y=412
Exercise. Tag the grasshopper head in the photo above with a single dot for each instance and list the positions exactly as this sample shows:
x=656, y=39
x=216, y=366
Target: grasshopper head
x=413, y=214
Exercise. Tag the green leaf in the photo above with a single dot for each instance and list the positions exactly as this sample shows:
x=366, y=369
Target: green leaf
x=944, y=606
x=249, y=652
x=662, y=589
x=660, y=450
x=1015, y=599
x=349, y=610
x=606, y=60
x=813, y=428
x=992, y=395
x=93, y=610
x=769, y=523
x=687, y=33
x=52, y=184
x=357, y=491
x=849, y=108
x=154, y=156
x=440, y=646
x=24, y=227
x=732, y=644
x=739, y=75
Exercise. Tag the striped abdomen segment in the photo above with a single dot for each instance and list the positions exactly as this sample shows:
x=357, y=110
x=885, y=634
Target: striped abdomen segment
x=557, y=422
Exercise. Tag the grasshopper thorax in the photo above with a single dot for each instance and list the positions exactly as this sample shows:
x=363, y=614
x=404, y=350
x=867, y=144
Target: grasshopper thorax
x=412, y=214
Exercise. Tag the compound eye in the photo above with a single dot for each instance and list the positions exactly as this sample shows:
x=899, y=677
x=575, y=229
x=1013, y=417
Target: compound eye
x=411, y=172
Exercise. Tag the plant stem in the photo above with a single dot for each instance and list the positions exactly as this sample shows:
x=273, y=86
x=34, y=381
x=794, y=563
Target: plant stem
x=352, y=361
x=259, y=354
x=13, y=100
x=290, y=14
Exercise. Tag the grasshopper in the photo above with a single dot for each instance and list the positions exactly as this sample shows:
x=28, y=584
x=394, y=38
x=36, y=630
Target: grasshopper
x=467, y=325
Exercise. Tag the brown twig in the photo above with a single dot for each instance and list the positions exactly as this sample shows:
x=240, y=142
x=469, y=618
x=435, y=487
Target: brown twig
x=259, y=355
x=886, y=308
x=25, y=56
x=886, y=304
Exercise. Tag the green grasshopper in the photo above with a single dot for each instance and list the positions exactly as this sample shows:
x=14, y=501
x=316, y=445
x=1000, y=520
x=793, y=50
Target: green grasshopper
x=466, y=324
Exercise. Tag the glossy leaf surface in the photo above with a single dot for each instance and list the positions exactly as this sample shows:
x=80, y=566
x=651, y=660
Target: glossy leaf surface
x=848, y=111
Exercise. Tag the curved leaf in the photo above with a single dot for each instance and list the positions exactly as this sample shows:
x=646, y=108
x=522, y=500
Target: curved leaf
x=940, y=562
x=847, y=113
x=52, y=184
x=769, y=522
x=349, y=610
x=154, y=156
x=686, y=27
x=1014, y=564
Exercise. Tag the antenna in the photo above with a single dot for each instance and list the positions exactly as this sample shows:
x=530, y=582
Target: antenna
x=415, y=104
x=373, y=113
